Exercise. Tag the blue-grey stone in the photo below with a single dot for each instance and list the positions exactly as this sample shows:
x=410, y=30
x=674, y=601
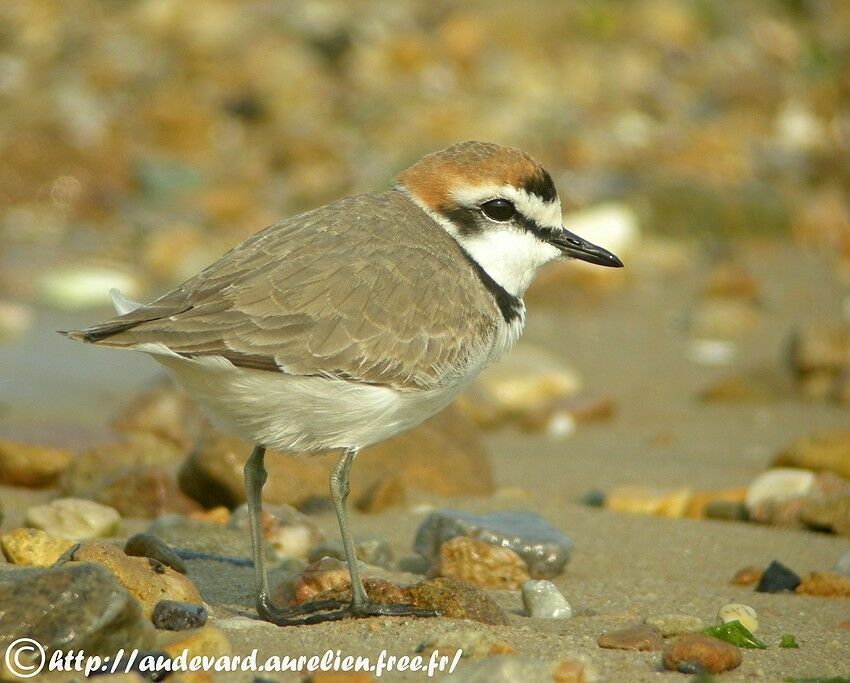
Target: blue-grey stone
x=545, y=549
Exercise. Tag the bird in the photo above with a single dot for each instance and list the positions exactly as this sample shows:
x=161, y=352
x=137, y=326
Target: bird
x=340, y=327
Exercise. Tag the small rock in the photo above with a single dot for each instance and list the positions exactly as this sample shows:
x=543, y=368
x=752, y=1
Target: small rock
x=720, y=319
x=730, y=280
x=747, y=576
x=216, y=515
x=574, y=670
x=474, y=644
x=171, y=615
x=736, y=611
x=644, y=500
x=373, y=551
x=148, y=545
x=89, y=610
x=288, y=532
x=727, y=510
x=205, y=641
x=782, y=512
x=826, y=452
x=777, y=578
x=33, y=547
x=712, y=352
x=74, y=518
x=525, y=382
x=453, y=599
x=73, y=288
x=166, y=413
x=480, y=564
x=146, y=493
x=518, y=669
x=24, y=464
x=559, y=417
x=325, y=574
x=827, y=514
x=842, y=564
x=543, y=600
x=148, y=580
x=639, y=637
x=385, y=493
x=694, y=652
x=825, y=584
x=544, y=548
x=702, y=501
x=676, y=624
x=779, y=484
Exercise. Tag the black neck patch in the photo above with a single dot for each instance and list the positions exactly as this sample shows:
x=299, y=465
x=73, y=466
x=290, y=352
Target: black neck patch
x=510, y=306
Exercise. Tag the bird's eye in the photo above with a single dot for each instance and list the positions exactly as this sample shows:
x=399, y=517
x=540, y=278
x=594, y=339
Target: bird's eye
x=498, y=210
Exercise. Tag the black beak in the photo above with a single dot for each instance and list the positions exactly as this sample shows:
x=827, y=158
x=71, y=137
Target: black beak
x=575, y=247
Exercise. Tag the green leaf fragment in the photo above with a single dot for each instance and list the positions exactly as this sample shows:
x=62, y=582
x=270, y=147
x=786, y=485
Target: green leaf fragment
x=788, y=640
x=736, y=633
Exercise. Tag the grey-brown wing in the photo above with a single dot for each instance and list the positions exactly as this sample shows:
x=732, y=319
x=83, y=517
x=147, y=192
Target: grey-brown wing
x=390, y=303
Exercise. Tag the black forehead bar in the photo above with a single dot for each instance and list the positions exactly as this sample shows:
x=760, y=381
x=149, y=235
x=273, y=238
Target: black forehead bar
x=540, y=183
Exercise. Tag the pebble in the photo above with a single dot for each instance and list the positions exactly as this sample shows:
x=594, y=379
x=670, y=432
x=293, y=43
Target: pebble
x=165, y=413
x=33, y=547
x=639, y=637
x=75, y=287
x=325, y=574
x=445, y=456
x=831, y=513
x=210, y=538
x=722, y=319
x=676, y=624
x=23, y=464
x=146, y=493
x=646, y=500
x=74, y=518
x=473, y=643
x=386, y=493
x=543, y=600
x=712, y=352
x=520, y=669
x=827, y=451
x=170, y=615
x=695, y=653
x=453, y=599
x=89, y=610
x=747, y=576
x=523, y=384
x=736, y=611
x=373, y=551
x=778, y=484
x=149, y=581
x=545, y=549
x=702, y=502
x=825, y=584
x=148, y=545
x=842, y=564
x=480, y=564
x=727, y=510
x=288, y=532
x=777, y=578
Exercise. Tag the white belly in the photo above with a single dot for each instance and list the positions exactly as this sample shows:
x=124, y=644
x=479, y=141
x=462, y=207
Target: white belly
x=309, y=414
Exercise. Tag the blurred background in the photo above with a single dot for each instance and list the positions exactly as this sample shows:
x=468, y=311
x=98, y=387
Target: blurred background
x=140, y=140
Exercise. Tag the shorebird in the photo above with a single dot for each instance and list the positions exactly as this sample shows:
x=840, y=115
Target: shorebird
x=345, y=325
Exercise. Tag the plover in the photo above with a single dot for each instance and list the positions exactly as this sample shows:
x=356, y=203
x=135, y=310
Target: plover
x=345, y=325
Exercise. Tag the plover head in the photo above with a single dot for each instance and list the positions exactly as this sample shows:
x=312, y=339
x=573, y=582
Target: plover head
x=502, y=208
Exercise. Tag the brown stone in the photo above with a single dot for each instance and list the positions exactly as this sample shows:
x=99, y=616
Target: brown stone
x=205, y=641
x=747, y=576
x=701, y=500
x=480, y=563
x=696, y=651
x=326, y=574
x=728, y=279
x=33, y=547
x=453, y=599
x=827, y=514
x=638, y=637
x=444, y=456
x=825, y=584
x=385, y=493
x=573, y=671
x=146, y=493
x=164, y=412
x=148, y=580
x=645, y=500
x=827, y=451
x=216, y=515
x=23, y=464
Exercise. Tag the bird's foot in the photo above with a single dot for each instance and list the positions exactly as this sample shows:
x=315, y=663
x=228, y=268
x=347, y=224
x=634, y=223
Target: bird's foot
x=333, y=610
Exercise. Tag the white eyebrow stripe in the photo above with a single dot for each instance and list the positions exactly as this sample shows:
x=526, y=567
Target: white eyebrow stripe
x=545, y=214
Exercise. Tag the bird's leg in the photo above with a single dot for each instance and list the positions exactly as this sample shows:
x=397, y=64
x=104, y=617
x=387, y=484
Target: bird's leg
x=360, y=604
x=255, y=478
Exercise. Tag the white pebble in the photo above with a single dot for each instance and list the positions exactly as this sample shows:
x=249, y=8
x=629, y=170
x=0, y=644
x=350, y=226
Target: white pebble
x=712, y=352
x=543, y=600
x=74, y=518
x=735, y=611
x=779, y=483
